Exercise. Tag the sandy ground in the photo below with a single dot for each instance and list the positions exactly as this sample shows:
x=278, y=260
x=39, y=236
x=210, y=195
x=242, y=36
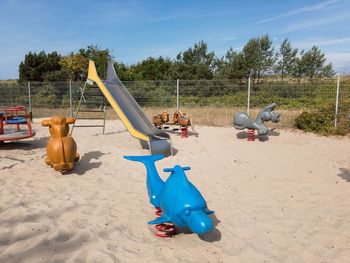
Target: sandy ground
x=286, y=199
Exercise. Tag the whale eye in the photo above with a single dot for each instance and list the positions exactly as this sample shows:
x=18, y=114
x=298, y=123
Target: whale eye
x=187, y=212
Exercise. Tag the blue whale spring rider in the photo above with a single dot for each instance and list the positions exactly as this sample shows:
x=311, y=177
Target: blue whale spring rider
x=180, y=201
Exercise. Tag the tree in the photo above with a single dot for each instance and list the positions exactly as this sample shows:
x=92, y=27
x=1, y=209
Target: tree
x=287, y=62
x=36, y=65
x=99, y=56
x=328, y=71
x=299, y=67
x=311, y=64
x=56, y=76
x=195, y=63
x=259, y=57
x=232, y=66
x=153, y=69
x=314, y=61
x=124, y=72
x=75, y=65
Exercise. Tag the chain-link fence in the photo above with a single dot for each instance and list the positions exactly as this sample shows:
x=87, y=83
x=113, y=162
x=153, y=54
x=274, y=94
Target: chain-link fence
x=210, y=102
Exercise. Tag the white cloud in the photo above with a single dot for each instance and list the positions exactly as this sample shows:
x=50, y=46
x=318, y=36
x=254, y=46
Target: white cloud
x=300, y=10
x=316, y=23
x=321, y=42
x=340, y=61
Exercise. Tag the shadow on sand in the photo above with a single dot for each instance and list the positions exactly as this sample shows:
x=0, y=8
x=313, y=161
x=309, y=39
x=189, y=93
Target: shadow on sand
x=87, y=162
x=213, y=236
x=344, y=174
x=176, y=131
x=30, y=144
x=262, y=138
x=60, y=242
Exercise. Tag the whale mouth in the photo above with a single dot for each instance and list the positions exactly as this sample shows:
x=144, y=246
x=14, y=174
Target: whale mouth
x=199, y=222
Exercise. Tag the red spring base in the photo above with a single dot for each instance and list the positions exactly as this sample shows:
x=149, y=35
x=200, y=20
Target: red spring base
x=184, y=132
x=251, y=135
x=164, y=229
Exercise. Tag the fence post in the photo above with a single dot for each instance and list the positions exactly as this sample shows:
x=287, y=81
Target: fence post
x=177, y=93
x=30, y=102
x=70, y=99
x=336, y=102
x=248, y=102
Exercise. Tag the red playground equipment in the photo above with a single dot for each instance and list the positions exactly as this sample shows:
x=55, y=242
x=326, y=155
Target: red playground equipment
x=15, y=116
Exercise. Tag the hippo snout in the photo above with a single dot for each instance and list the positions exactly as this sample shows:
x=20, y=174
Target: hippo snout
x=275, y=117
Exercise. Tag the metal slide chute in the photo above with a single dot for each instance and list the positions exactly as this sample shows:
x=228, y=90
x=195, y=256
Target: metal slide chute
x=130, y=113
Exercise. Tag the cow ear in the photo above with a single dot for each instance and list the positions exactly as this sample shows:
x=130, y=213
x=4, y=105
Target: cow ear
x=46, y=123
x=70, y=120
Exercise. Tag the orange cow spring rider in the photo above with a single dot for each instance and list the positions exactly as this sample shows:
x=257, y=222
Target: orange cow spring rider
x=61, y=148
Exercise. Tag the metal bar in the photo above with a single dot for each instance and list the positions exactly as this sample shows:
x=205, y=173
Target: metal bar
x=104, y=120
x=91, y=110
x=29, y=98
x=30, y=102
x=177, y=93
x=89, y=118
x=248, y=102
x=88, y=126
x=70, y=99
x=336, y=103
x=78, y=107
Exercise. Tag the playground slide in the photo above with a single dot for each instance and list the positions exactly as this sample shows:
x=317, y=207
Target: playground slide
x=130, y=112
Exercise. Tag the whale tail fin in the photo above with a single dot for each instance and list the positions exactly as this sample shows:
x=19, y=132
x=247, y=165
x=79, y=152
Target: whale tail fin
x=154, y=183
x=145, y=158
x=148, y=161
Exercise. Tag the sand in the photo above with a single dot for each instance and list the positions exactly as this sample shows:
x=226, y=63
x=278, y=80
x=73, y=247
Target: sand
x=286, y=199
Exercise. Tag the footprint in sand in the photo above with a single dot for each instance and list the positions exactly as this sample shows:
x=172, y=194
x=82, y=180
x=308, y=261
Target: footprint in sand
x=91, y=256
x=78, y=223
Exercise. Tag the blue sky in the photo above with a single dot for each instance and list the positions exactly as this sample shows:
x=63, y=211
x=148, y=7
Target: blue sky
x=134, y=30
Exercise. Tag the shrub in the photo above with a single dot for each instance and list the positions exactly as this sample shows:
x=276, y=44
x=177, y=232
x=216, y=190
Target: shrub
x=45, y=97
x=321, y=122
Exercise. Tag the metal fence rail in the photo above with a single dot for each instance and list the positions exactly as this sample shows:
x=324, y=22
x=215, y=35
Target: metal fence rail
x=292, y=96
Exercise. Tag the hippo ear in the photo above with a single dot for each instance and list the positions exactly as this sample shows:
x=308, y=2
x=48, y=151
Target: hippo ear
x=46, y=123
x=70, y=120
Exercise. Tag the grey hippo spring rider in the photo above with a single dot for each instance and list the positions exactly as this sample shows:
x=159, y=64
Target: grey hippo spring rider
x=242, y=121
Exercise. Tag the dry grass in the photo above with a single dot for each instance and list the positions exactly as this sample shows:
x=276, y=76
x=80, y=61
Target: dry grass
x=223, y=116
x=210, y=116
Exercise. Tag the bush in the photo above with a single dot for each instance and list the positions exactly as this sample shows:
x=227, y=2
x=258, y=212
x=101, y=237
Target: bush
x=45, y=97
x=321, y=122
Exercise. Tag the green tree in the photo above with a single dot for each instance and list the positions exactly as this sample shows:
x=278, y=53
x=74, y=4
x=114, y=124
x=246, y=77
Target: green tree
x=195, y=63
x=259, y=57
x=124, y=72
x=99, y=56
x=232, y=66
x=314, y=62
x=36, y=65
x=75, y=65
x=311, y=64
x=56, y=76
x=286, y=63
x=154, y=69
x=328, y=71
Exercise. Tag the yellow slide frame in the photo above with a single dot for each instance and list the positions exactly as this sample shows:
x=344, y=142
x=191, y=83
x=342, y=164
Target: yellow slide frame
x=92, y=76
